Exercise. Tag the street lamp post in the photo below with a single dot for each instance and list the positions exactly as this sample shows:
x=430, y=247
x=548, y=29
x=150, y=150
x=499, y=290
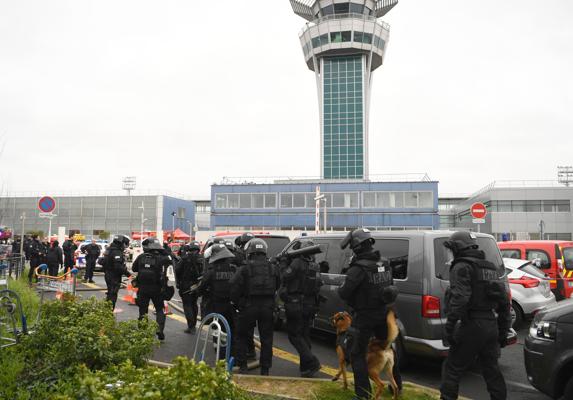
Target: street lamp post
x=22, y=258
x=142, y=221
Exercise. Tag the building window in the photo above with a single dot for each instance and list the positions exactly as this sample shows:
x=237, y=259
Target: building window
x=548, y=206
x=398, y=199
x=245, y=200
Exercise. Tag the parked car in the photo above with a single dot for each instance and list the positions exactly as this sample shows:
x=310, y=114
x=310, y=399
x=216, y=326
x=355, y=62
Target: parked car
x=421, y=273
x=530, y=289
x=553, y=257
x=275, y=242
x=549, y=351
x=81, y=257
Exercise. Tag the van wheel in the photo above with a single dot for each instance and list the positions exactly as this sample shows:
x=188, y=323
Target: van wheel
x=519, y=317
x=568, y=392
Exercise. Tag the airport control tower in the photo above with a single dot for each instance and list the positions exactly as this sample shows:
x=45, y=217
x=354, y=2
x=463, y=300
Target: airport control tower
x=343, y=43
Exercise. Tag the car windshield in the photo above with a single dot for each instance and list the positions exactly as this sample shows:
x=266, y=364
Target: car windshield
x=488, y=245
x=531, y=270
x=568, y=257
x=276, y=244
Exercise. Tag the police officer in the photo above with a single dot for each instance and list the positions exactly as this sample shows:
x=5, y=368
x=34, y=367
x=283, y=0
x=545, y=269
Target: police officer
x=36, y=253
x=301, y=284
x=92, y=252
x=368, y=289
x=253, y=291
x=241, y=259
x=114, y=267
x=188, y=270
x=215, y=286
x=151, y=268
x=69, y=248
x=472, y=328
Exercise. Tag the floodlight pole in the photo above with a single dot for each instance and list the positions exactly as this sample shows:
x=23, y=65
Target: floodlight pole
x=22, y=258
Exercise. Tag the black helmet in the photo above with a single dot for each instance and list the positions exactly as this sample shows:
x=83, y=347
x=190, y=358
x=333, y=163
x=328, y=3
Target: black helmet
x=151, y=244
x=219, y=252
x=357, y=238
x=121, y=240
x=242, y=240
x=460, y=241
x=194, y=246
x=256, y=246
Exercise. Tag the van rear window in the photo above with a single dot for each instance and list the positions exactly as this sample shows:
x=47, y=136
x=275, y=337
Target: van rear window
x=276, y=245
x=488, y=245
x=396, y=251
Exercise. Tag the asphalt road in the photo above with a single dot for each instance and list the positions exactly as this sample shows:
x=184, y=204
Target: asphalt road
x=420, y=371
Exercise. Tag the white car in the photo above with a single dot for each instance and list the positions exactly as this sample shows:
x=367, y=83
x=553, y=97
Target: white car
x=530, y=289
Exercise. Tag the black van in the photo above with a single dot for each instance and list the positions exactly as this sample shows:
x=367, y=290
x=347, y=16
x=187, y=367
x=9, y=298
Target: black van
x=420, y=272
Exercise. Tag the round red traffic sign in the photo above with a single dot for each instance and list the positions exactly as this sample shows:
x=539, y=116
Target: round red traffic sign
x=478, y=210
x=47, y=204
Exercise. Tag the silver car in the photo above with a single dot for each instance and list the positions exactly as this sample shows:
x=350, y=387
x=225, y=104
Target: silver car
x=530, y=289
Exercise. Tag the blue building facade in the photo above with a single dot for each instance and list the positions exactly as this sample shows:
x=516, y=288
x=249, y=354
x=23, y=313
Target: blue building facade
x=287, y=206
x=184, y=214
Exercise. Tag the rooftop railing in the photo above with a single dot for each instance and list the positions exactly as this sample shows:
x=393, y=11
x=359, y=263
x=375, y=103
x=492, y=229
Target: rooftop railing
x=334, y=17
x=411, y=177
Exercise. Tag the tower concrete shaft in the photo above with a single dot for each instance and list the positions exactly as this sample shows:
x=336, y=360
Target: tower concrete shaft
x=343, y=43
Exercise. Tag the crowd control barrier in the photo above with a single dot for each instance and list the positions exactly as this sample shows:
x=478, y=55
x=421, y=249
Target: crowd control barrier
x=12, y=319
x=215, y=334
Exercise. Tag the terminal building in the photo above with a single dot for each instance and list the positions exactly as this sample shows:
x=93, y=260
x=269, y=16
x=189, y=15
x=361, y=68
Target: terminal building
x=291, y=205
x=92, y=214
x=521, y=210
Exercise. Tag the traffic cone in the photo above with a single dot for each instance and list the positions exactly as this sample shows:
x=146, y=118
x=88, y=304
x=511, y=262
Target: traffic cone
x=166, y=310
x=131, y=295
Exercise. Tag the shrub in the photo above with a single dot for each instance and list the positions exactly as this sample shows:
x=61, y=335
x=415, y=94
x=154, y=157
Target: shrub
x=186, y=380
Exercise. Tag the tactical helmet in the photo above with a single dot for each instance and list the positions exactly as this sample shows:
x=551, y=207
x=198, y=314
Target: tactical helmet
x=242, y=240
x=151, y=244
x=460, y=241
x=219, y=252
x=256, y=246
x=357, y=238
x=194, y=246
x=121, y=240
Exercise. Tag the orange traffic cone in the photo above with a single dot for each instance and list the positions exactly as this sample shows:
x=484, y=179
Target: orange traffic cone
x=131, y=295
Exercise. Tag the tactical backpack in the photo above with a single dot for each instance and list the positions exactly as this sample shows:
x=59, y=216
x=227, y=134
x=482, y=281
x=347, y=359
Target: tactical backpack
x=221, y=282
x=149, y=274
x=262, y=282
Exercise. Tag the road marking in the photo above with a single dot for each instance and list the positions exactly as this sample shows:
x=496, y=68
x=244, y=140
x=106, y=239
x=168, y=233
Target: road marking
x=92, y=285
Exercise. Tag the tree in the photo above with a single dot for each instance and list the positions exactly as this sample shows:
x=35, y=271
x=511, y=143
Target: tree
x=104, y=235
x=40, y=234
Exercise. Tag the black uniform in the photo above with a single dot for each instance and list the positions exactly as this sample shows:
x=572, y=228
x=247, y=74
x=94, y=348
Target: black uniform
x=92, y=252
x=253, y=293
x=240, y=260
x=301, y=285
x=69, y=248
x=36, y=253
x=114, y=268
x=215, y=287
x=54, y=258
x=188, y=270
x=151, y=268
x=16, y=248
x=476, y=291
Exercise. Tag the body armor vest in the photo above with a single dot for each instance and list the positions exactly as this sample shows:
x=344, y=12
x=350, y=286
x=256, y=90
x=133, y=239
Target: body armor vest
x=488, y=289
x=223, y=272
x=262, y=279
x=116, y=261
x=149, y=271
x=371, y=292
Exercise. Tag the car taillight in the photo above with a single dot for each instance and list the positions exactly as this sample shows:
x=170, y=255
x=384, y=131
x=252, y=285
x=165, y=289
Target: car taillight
x=431, y=307
x=526, y=282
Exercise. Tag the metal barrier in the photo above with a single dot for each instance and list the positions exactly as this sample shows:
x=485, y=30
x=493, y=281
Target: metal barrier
x=214, y=331
x=60, y=284
x=11, y=267
x=13, y=322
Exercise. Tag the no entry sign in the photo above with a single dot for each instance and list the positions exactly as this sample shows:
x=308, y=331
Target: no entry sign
x=47, y=204
x=478, y=211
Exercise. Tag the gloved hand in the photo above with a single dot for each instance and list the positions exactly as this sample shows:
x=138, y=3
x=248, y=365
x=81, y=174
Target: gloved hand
x=450, y=329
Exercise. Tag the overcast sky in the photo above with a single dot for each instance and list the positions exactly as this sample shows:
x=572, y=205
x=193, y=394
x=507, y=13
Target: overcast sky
x=183, y=93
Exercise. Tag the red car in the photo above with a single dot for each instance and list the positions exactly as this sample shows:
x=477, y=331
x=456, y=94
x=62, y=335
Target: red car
x=553, y=257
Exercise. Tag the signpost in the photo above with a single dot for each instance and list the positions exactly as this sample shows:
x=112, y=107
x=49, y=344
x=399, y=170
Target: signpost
x=478, y=212
x=47, y=205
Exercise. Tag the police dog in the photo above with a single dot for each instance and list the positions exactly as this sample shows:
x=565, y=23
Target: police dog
x=380, y=356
